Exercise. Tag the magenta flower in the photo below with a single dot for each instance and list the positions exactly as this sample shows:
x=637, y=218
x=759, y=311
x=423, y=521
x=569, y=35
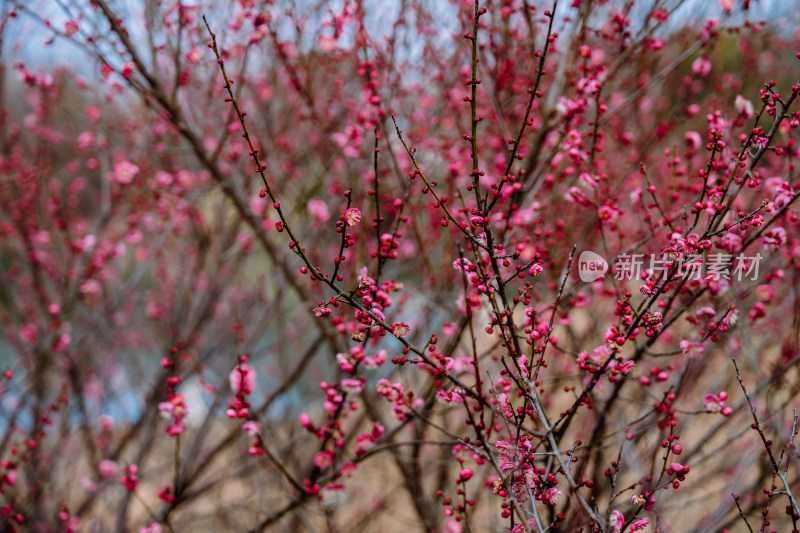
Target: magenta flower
x=617, y=520
x=130, y=477
x=715, y=403
x=535, y=270
x=352, y=216
x=701, y=66
x=678, y=468
x=400, y=329
x=243, y=378
x=124, y=173
x=71, y=28
x=251, y=427
x=351, y=385
x=692, y=349
x=107, y=468
x=319, y=210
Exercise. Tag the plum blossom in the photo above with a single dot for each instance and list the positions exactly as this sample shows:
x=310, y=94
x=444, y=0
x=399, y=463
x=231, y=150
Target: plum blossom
x=692, y=349
x=617, y=520
x=322, y=311
x=88, y=484
x=105, y=422
x=130, y=477
x=376, y=360
x=86, y=140
x=29, y=333
x=520, y=528
x=71, y=28
x=575, y=194
x=587, y=86
x=760, y=140
x=243, y=378
x=90, y=287
x=730, y=242
x=390, y=391
x=505, y=406
x=176, y=410
x=352, y=216
x=743, y=106
x=400, y=329
x=453, y=526
x=455, y=395
x=323, y=459
x=319, y=210
x=647, y=500
x=251, y=427
x=461, y=264
x=366, y=441
x=607, y=213
x=553, y=496
x=353, y=386
x=705, y=312
x=522, y=365
x=345, y=362
x=626, y=367
x=774, y=238
x=678, y=468
x=194, y=55
x=765, y=293
x=166, y=494
x=107, y=468
x=327, y=44
x=693, y=140
x=715, y=403
x=535, y=270
x=592, y=361
x=127, y=70
x=124, y=173
x=701, y=66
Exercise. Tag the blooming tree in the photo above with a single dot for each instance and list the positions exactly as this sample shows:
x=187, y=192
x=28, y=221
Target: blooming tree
x=482, y=265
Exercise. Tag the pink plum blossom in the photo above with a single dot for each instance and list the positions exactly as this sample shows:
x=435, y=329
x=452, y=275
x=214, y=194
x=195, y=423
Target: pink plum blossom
x=124, y=173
